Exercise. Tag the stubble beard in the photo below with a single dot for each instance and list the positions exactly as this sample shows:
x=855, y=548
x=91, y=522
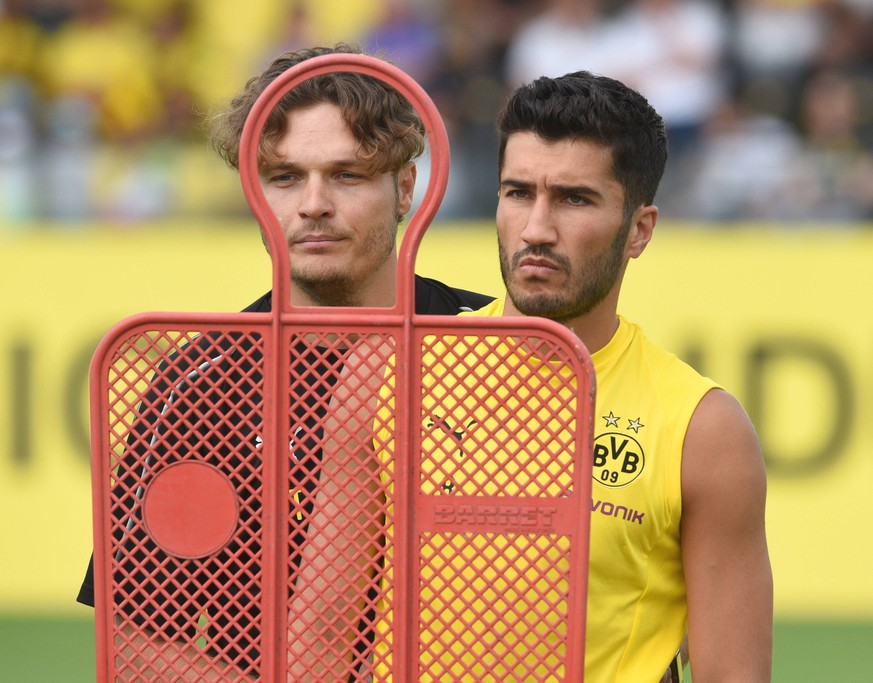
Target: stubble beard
x=586, y=288
x=332, y=286
x=333, y=290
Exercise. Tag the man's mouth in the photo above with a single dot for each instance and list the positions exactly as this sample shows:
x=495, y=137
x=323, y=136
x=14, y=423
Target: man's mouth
x=315, y=240
x=537, y=266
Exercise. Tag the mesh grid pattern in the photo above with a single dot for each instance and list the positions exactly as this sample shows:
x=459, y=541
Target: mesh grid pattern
x=505, y=401
x=174, y=396
x=335, y=406
x=458, y=549
x=492, y=607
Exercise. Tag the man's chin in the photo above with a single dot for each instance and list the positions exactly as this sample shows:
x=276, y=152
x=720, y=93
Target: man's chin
x=327, y=289
x=543, y=305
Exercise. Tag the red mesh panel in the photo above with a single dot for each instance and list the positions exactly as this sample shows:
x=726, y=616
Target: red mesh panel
x=341, y=494
x=175, y=547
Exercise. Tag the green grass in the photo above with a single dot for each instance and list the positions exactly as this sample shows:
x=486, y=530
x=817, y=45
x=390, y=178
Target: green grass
x=61, y=650
x=838, y=652
x=46, y=650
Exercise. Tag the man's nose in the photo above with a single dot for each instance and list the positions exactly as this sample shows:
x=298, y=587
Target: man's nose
x=539, y=227
x=315, y=199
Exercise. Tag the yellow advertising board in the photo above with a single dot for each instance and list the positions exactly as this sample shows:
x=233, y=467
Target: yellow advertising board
x=780, y=317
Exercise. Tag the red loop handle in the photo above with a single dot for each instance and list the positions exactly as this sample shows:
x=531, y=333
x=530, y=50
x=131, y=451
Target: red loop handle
x=439, y=173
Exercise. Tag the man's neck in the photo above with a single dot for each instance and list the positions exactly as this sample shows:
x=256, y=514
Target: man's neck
x=595, y=334
x=380, y=293
x=594, y=329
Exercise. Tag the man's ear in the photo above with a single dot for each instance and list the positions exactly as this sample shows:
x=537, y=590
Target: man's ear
x=405, y=187
x=642, y=226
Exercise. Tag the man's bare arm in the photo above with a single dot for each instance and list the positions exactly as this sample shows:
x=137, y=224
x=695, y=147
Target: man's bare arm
x=342, y=536
x=152, y=656
x=724, y=546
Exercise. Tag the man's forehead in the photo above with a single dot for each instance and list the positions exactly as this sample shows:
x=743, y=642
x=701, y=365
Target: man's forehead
x=317, y=116
x=317, y=130
x=536, y=154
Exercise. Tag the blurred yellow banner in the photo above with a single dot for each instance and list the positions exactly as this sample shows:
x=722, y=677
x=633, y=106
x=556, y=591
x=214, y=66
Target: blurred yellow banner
x=780, y=316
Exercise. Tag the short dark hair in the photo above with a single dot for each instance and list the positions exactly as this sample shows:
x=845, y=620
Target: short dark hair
x=582, y=105
x=388, y=130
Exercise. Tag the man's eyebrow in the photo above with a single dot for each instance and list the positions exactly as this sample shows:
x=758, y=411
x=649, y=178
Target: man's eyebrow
x=281, y=165
x=583, y=190
x=510, y=182
x=274, y=166
x=348, y=163
x=565, y=190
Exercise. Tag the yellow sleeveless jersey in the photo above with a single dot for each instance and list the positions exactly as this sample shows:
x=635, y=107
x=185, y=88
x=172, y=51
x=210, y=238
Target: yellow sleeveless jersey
x=637, y=612
x=636, y=602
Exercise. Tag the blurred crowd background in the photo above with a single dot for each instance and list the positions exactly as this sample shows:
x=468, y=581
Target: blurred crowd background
x=768, y=103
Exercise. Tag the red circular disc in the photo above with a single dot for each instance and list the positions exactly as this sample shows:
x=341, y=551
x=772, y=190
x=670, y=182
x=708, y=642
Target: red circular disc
x=190, y=509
